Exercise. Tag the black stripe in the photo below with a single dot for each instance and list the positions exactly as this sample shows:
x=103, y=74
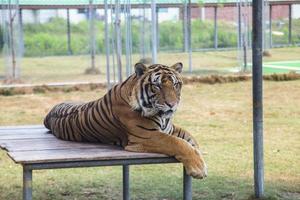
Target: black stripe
x=107, y=120
x=120, y=93
x=122, y=84
x=147, y=91
x=148, y=129
x=120, y=90
x=142, y=92
x=140, y=107
x=105, y=102
x=156, y=70
x=97, y=132
x=62, y=128
x=80, y=127
x=183, y=135
x=157, y=123
x=87, y=127
x=90, y=126
x=110, y=101
x=179, y=132
x=129, y=133
x=114, y=91
x=65, y=130
x=113, y=115
x=100, y=125
x=72, y=128
x=69, y=132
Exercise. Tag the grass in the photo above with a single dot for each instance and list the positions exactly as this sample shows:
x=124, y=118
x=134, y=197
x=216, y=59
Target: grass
x=71, y=68
x=219, y=116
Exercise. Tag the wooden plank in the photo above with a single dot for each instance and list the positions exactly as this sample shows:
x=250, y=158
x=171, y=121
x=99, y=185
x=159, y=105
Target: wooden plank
x=34, y=145
x=48, y=144
x=4, y=132
x=3, y=138
x=48, y=156
x=22, y=127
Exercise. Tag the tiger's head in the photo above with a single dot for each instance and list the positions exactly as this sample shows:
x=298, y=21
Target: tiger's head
x=157, y=91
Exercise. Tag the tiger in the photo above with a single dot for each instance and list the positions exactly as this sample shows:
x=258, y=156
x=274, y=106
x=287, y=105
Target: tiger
x=135, y=114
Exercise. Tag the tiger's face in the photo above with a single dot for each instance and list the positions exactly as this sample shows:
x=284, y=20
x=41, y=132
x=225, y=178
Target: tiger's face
x=157, y=91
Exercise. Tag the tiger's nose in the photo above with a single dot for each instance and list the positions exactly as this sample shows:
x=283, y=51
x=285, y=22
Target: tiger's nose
x=171, y=104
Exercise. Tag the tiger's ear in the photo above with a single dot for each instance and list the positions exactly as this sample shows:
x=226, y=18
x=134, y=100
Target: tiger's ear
x=140, y=69
x=178, y=67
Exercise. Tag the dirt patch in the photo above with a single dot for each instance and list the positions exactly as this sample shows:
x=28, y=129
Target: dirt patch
x=212, y=79
x=92, y=70
x=9, y=91
x=282, y=77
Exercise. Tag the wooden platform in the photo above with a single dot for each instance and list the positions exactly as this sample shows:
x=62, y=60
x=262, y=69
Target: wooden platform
x=35, y=148
x=35, y=144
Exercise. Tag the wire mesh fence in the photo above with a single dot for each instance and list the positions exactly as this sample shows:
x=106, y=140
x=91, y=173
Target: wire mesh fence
x=101, y=41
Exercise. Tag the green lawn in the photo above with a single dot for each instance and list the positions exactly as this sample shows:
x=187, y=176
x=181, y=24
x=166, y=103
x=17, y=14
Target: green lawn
x=281, y=67
x=219, y=116
x=71, y=68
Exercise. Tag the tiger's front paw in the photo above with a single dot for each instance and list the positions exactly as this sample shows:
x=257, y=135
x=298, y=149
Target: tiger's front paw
x=195, y=165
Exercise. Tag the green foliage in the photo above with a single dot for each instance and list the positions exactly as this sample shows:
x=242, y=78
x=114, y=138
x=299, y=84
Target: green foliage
x=45, y=44
x=51, y=38
x=54, y=26
x=205, y=36
x=282, y=26
x=171, y=35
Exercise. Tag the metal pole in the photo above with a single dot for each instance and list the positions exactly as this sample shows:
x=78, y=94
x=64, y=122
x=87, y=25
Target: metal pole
x=69, y=32
x=21, y=37
x=154, y=32
x=11, y=41
x=239, y=4
x=187, y=186
x=244, y=55
x=257, y=85
x=290, y=23
x=157, y=27
x=185, y=26
x=189, y=31
x=112, y=40
x=119, y=40
x=130, y=38
x=92, y=33
x=126, y=184
x=107, y=49
x=263, y=25
x=127, y=39
x=143, y=32
x=27, y=183
x=270, y=26
x=215, y=27
x=242, y=40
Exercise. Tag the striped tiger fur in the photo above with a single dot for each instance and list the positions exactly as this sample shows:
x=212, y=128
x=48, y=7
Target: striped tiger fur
x=136, y=114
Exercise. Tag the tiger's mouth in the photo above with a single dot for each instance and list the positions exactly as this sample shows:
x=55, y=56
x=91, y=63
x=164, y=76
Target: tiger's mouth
x=166, y=113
